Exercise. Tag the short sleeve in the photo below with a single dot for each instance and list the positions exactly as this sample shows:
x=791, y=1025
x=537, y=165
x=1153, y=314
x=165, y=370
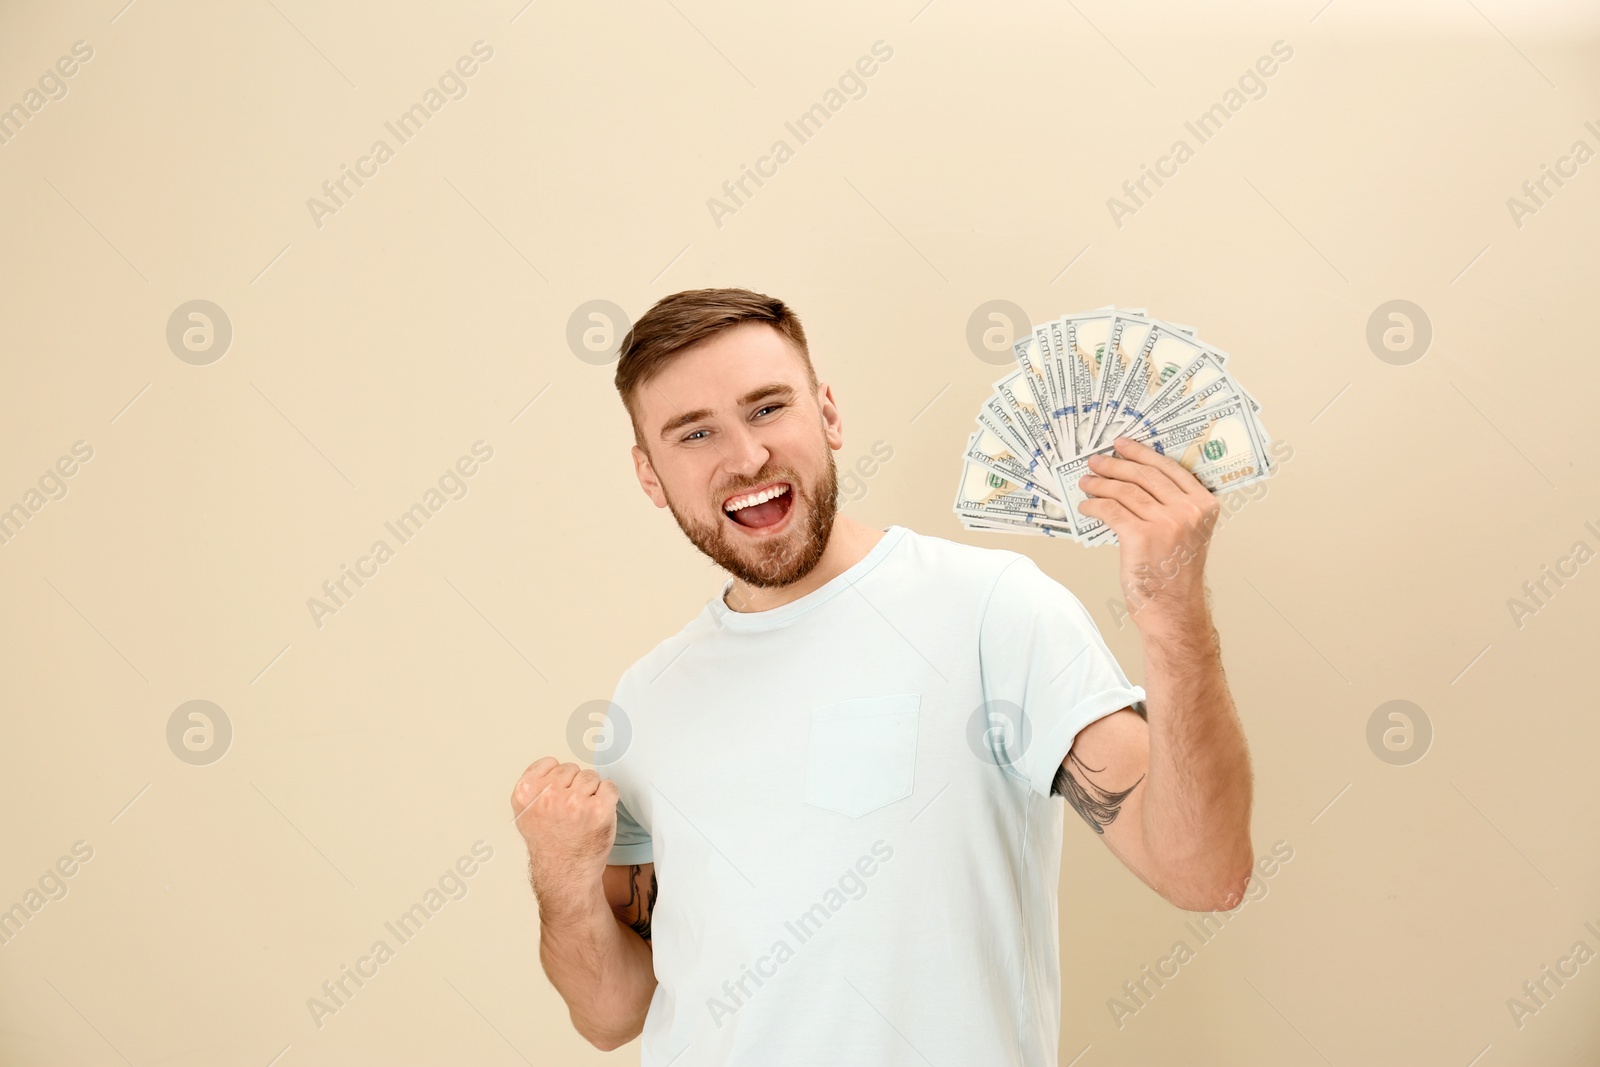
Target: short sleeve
x=632, y=844
x=1040, y=652
x=633, y=841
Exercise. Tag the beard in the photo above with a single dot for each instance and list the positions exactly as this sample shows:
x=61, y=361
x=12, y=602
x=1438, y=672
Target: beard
x=778, y=561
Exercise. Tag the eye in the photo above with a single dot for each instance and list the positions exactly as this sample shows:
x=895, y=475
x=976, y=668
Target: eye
x=691, y=435
x=768, y=407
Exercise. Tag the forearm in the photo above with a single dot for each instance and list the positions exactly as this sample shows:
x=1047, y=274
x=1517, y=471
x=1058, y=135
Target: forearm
x=601, y=967
x=1196, y=811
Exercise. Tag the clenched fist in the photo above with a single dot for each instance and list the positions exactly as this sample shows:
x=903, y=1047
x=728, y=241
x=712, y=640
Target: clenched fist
x=568, y=816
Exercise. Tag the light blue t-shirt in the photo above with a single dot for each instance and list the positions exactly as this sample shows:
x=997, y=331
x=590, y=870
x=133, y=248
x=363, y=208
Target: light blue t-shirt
x=847, y=801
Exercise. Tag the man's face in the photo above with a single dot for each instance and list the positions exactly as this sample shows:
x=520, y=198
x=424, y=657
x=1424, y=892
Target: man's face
x=741, y=450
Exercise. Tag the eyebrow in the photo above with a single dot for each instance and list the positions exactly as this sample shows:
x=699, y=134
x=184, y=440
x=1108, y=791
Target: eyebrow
x=772, y=389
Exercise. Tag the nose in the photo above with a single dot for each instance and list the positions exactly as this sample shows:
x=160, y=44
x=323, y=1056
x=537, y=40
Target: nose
x=743, y=454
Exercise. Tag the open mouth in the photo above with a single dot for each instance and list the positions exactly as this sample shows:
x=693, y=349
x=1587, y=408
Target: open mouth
x=760, y=508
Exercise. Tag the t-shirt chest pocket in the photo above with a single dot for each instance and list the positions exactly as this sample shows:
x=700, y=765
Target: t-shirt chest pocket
x=862, y=753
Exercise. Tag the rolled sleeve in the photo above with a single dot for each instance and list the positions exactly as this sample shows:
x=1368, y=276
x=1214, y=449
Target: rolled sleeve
x=1040, y=652
x=633, y=841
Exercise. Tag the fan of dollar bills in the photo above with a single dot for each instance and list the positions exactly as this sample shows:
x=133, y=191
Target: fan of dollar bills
x=1068, y=400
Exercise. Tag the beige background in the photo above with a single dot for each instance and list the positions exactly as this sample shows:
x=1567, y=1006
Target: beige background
x=432, y=308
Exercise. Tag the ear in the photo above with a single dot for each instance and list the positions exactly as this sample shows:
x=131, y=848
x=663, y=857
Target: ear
x=832, y=421
x=647, y=477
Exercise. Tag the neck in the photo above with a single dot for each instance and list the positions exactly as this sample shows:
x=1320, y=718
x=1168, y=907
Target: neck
x=848, y=544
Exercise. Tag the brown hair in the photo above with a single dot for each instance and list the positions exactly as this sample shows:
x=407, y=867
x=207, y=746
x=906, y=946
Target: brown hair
x=680, y=321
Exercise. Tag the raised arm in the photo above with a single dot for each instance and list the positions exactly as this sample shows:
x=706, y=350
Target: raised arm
x=594, y=918
x=1170, y=789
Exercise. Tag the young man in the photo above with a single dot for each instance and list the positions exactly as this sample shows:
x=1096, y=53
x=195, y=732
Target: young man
x=834, y=836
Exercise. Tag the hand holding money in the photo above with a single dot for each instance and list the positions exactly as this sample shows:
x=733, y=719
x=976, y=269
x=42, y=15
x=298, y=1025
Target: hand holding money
x=1084, y=381
x=1163, y=518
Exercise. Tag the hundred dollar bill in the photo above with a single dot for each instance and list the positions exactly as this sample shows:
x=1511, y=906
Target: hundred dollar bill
x=1083, y=348
x=1033, y=355
x=1002, y=526
x=1124, y=347
x=1220, y=390
x=1058, y=372
x=1217, y=445
x=1205, y=368
x=994, y=418
x=1071, y=369
x=1163, y=354
x=988, y=450
x=985, y=494
x=1128, y=346
x=1028, y=415
x=1105, y=536
x=1018, y=402
x=1270, y=456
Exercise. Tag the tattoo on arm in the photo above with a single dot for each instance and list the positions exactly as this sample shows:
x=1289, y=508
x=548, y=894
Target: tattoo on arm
x=641, y=920
x=1098, y=807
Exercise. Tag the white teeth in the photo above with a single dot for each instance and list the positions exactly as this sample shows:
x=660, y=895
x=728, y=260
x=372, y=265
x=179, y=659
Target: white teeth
x=742, y=502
